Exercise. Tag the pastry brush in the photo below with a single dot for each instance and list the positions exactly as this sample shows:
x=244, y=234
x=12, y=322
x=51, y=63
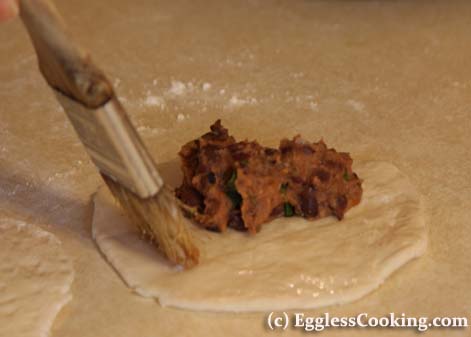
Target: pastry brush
x=107, y=133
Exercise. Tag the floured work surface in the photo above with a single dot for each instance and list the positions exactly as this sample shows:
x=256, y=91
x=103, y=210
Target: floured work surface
x=291, y=263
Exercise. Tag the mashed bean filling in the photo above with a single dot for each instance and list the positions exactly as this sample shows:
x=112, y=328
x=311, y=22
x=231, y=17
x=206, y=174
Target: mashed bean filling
x=243, y=185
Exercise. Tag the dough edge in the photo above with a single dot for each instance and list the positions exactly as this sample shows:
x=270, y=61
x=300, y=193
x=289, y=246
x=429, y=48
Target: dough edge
x=64, y=289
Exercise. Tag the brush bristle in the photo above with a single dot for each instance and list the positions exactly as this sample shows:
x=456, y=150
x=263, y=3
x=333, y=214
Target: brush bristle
x=160, y=220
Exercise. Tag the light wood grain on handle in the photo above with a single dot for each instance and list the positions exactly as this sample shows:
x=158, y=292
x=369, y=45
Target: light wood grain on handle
x=63, y=64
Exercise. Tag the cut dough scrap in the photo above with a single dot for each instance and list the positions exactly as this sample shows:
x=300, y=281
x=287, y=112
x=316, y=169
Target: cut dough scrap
x=35, y=279
x=291, y=263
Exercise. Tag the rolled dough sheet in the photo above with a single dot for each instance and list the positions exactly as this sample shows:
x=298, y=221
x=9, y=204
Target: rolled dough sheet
x=35, y=279
x=291, y=263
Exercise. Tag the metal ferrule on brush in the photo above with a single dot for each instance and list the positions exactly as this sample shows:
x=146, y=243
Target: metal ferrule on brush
x=113, y=144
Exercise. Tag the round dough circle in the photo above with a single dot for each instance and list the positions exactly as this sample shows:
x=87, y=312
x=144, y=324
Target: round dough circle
x=35, y=279
x=291, y=263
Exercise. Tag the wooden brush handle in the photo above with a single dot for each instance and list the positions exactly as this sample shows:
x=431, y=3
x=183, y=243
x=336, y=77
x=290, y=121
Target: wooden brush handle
x=63, y=64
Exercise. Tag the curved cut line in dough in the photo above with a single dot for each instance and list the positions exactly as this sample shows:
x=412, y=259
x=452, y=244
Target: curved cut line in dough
x=292, y=263
x=35, y=279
